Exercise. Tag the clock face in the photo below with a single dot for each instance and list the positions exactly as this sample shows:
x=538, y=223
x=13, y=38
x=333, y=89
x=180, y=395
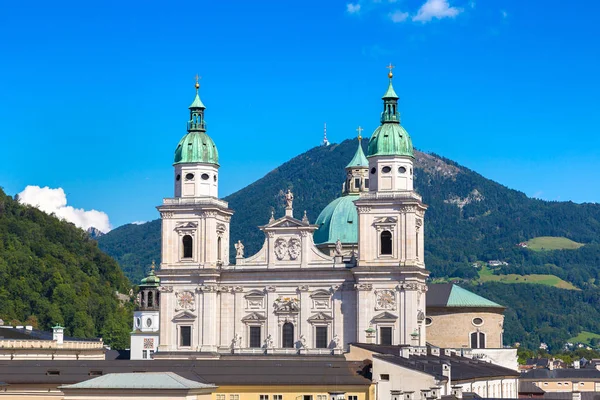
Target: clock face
x=149, y=322
x=138, y=322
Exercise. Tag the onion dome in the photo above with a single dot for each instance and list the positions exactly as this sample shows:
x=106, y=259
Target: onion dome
x=151, y=279
x=390, y=139
x=196, y=146
x=339, y=220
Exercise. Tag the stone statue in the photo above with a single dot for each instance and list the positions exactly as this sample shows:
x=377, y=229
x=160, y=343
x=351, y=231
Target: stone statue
x=289, y=199
x=336, y=341
x=236, y=342
x=338, y=248
x=269, y=342
x=239, y=248
x=302, y=341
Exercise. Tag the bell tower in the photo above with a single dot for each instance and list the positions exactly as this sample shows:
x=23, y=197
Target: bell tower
x=391, y=270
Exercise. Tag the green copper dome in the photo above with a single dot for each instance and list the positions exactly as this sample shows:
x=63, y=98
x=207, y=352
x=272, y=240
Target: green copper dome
x=390, y=140
x=339, y=220
x=196, y=147
x=151, y=279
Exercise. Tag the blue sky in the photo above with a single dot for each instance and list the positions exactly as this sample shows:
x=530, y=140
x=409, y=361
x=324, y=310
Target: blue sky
x=94, y=95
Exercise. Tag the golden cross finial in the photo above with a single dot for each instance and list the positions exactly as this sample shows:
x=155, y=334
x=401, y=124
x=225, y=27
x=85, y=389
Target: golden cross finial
x=390, y=67
x=153, y=266
x=359, y=130
x=197, y=79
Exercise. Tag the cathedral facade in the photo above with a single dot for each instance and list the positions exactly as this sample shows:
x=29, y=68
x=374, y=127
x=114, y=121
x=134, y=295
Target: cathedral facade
x=312, y=288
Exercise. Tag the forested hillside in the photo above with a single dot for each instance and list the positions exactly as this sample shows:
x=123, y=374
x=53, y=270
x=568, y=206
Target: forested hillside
x=470, y=218
x=52, y=273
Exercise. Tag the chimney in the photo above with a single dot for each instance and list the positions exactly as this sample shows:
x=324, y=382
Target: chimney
x=447, y=372
x=409, y=395
x=457, y=392
x=425, y=393
x=551, y=365
x=576, y=364
x=436, y=392
x=58, y=334
x=576, y=395
x=467, y=353
x=396, y=394
x=435, y=351
x=405, y=352
x=448, y=352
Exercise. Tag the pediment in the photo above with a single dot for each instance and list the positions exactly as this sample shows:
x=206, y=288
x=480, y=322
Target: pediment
x=385, y=316
x=386, y=220
x=320, y=317
x=287, y=222
x=320, y=294
x=184, y=316
x=254, y=317
x=254, y=294
x=186, y=225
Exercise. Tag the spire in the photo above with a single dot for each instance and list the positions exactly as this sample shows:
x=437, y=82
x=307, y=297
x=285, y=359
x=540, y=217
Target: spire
x=196, y=122
x=390, y=102
x=359, y=160
x=325, y=141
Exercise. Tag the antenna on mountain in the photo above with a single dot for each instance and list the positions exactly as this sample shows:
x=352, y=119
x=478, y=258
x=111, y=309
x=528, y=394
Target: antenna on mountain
x=325, y=141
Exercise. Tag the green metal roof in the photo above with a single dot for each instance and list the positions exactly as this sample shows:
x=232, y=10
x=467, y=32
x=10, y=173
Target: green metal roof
x=139, y=380
x=390, y=93
x=196, y=147
x=390, y=139
x=460, y=297
x=359, y=159
x=339, y=220
x=151, y=280
x=197, y=102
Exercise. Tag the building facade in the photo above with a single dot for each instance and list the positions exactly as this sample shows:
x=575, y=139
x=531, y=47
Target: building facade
x=292, y=296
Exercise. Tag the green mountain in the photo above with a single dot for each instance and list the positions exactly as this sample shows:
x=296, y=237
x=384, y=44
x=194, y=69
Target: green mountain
x=470, y=218
x=52, y=273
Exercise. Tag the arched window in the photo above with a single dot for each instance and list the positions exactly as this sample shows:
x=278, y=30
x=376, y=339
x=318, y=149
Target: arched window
x=478, y=340
x=187, y=246
x=150, y=300
x=287, y=335
x=386, y=243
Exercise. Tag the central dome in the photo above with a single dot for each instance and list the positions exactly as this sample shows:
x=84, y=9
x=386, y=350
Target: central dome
x=196, y=147
x=339, y=220
x=390, y=139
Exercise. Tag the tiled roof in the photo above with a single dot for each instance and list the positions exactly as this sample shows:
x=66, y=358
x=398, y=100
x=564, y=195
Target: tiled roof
x=240, y=371
x=137, y=380
x=451, y=295
x=563, y=373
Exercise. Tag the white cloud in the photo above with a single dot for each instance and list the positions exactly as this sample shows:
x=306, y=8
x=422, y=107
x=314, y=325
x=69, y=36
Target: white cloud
x=398, y=16
x=436, y=9
x=353, y=8
x=504, y=14
x=139, y=222
x=55, y=201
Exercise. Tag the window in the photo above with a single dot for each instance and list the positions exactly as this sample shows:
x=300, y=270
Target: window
x=478, y=340
x=386, y=243
x=428, y=321
x=386, y=169
x=321, y=397
x=373, y=170
x=178, y=178
x=307, y=397
x=150, y=300
x=185, y=336
x=477, y=321
x=402, y=170
x=215, y=178
x=367, y=183
x=385, y=335
x=151, y=353
x=288, y=335
x=204, y=177
x=384, y=377
x=144, y=354
x=352, y=397
x=53, y=372
x=255, y=339
x=149, y=322
x=321, y=337
x=263, y=397
x=234, y=397
x=95, y=373
x=189, y=177
x=220, y=397
x=187, y=246
x=356, y=183
x=277, y=397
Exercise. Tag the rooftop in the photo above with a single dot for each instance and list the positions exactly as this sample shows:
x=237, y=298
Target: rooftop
x=451, y=295
x=139, y=380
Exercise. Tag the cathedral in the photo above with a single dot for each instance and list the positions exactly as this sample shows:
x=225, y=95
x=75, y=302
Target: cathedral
x=355, y=275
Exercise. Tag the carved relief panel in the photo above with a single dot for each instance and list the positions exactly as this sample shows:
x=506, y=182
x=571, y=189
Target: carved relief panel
x=287, y=249
x=255, y=301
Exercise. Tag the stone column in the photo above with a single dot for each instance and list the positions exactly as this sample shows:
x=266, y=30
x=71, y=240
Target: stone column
x=363, y=309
